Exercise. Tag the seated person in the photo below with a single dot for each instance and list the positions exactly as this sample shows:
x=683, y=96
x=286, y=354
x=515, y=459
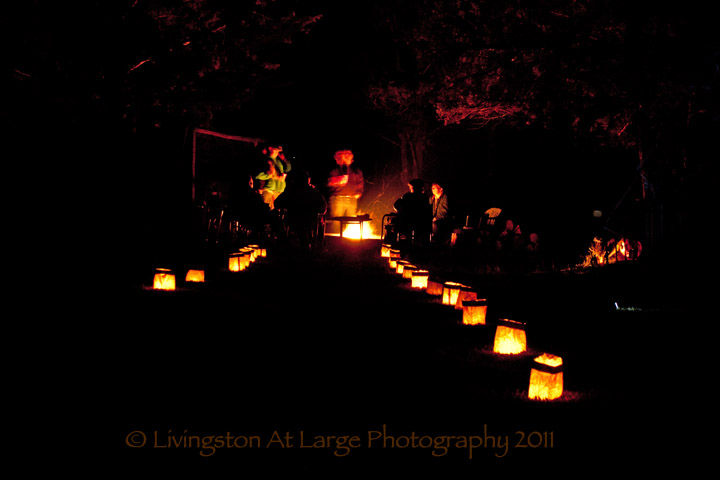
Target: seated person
x=510, y=244
x=414, y=215
x=247, y=207
x=302, y=203
x=511, y=237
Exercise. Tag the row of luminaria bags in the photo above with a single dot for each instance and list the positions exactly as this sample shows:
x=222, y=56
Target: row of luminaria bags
x=164, y=278
x=546, y=376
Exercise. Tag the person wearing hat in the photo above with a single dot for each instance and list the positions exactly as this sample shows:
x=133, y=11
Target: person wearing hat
x=413, y=221
x=302, y=203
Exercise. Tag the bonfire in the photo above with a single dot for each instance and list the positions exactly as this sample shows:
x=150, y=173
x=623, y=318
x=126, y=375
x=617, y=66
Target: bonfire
x=600, y=254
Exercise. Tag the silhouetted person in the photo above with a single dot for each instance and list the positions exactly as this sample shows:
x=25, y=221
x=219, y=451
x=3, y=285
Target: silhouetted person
x=414, y=214
x=509, y=245
x=533, y=253
x=247, y=208
x=441, y=219
x=302, y=203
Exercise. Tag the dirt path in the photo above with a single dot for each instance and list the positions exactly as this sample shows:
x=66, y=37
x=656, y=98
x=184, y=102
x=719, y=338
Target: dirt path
x=337, y=343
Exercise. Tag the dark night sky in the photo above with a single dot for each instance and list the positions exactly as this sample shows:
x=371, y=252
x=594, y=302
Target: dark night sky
x=324, y=108
x=320, y=105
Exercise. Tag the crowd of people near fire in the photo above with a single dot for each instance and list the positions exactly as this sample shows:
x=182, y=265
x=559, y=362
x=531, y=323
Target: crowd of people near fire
x=491, y=241
x=281, y=204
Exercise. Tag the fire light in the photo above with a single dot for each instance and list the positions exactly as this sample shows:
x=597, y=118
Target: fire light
x=420, y=279
x=194, y=275
x=619, y=251
x=359, y=231
x=474, y=311
x=164, y=279
x=408, y=270
x=465, y=293
x=434, y=288
x=510, y=337
x=385, y=250
x=393, y=259
x=546, y=378
x=255, y=252
x=400, y=266
x=235, y=263
x=246, y=257
x=451, y=290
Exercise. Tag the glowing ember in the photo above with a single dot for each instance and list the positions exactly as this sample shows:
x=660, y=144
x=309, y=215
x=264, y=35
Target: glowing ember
x=624, y=250
x=596, y=254
x=616, y=251
x=353, y=232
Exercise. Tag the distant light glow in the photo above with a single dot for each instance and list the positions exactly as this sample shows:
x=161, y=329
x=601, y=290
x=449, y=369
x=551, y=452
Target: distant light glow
x=139, y=64
x=194, y=275
x=510, y=338
x=164, y=279
x=546, y=385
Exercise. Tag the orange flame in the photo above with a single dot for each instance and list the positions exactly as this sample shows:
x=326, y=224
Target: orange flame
x=353, y=231
x=621, y=250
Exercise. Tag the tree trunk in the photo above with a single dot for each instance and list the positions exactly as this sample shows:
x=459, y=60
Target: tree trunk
x=413, y=144
x=405, y=158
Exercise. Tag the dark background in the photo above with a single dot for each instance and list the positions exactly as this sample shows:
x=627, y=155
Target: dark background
x=68, y=114
x=93, y=191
